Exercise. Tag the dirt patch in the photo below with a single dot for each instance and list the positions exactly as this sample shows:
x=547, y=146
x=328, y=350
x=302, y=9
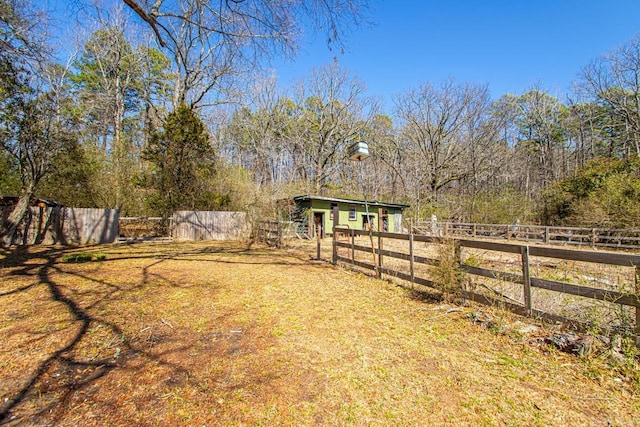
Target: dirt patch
x=216, y=333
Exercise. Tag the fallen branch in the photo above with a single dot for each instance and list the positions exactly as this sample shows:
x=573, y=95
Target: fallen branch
x=451, y=310
x=500, y=294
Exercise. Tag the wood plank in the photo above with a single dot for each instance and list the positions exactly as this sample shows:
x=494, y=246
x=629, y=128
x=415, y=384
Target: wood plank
x=407, y=277
x=212, y=225
x=87, y=225
x=627, y=260
x=356, y=263
x=396, y=236
x=486, y=300
x=491, y=246
x=586, y=292
x=562, y=287
x=493, y=274
x=412, y=258
x=392, y=254
x=342, y=244
x=519, y=309
x=407, y=257
x=427, y=239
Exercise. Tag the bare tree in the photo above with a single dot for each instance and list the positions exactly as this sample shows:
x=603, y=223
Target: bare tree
x=211, y=41
x=41, y=131
x=481, y=137
x=389, y=159
x=261, y=134
x=33, y=126
x=333, y=113
x=109, y=71
x=433, y=125
x=541, y=134
x=613, y=81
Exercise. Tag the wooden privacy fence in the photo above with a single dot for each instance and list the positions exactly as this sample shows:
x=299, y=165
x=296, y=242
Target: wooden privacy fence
x=345, y=249
x=89, y=226
x=577, y=236
x=209, y=225
x=54, y=224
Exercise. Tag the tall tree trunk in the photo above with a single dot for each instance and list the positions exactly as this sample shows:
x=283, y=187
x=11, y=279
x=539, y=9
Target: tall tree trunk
x=119, y=151
x=10, y=228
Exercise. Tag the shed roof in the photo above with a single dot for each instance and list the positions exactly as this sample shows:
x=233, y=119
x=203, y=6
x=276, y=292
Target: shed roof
x=351, y=201
x=13, y=200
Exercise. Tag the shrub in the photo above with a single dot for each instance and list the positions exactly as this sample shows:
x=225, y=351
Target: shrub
x=83, y=257
x=603, y=193
x=448, y=276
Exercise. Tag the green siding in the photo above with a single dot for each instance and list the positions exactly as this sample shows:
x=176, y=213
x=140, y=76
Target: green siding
x=324, y=207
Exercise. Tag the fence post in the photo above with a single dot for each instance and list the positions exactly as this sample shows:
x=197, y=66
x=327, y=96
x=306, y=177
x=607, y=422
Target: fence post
x=524, y=250
x=380, y=243
x=279, y=241
x=411, y=260
x=459, y=257
x=334, y=257
x=593, y=237
x=336, y=221
x=637, y=308
x=546, y=235
x=353, y=246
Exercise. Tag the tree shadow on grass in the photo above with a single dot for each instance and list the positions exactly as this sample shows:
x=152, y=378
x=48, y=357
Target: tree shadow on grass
x=80, y=317
x=52, y=382
x=55, y=376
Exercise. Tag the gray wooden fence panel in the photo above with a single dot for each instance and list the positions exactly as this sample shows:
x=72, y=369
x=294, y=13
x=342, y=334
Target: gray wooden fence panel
x=50, y=225
x=210, y=225
x=41, y=225
x=89, y=226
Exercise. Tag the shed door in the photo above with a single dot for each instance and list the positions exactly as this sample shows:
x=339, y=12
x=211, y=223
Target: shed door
x=364, y=221
x=318, y=222
x=385, y=220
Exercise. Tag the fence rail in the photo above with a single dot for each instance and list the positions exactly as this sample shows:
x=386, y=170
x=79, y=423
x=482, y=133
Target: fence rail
x=524, y=277
x=577, y=236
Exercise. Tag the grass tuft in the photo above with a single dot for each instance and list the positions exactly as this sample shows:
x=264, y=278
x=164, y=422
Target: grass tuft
x=83, y=257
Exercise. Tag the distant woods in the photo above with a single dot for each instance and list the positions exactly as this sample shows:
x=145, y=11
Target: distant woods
x=163, y=106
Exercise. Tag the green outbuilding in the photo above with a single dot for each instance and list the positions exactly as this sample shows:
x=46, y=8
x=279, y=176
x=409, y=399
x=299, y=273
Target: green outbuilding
x=318, y=210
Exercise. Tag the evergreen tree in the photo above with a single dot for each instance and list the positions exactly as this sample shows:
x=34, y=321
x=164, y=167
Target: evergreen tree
x=182, y=162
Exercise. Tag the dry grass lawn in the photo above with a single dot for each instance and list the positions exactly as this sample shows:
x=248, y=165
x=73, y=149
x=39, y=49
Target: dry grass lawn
x=222, y=334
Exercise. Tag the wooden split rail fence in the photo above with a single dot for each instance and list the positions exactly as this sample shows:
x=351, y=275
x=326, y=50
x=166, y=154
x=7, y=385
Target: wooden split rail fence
x=275, y=233
x=345, y=249
x=604, y=238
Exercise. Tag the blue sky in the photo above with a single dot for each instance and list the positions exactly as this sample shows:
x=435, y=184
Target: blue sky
x=509, y=45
